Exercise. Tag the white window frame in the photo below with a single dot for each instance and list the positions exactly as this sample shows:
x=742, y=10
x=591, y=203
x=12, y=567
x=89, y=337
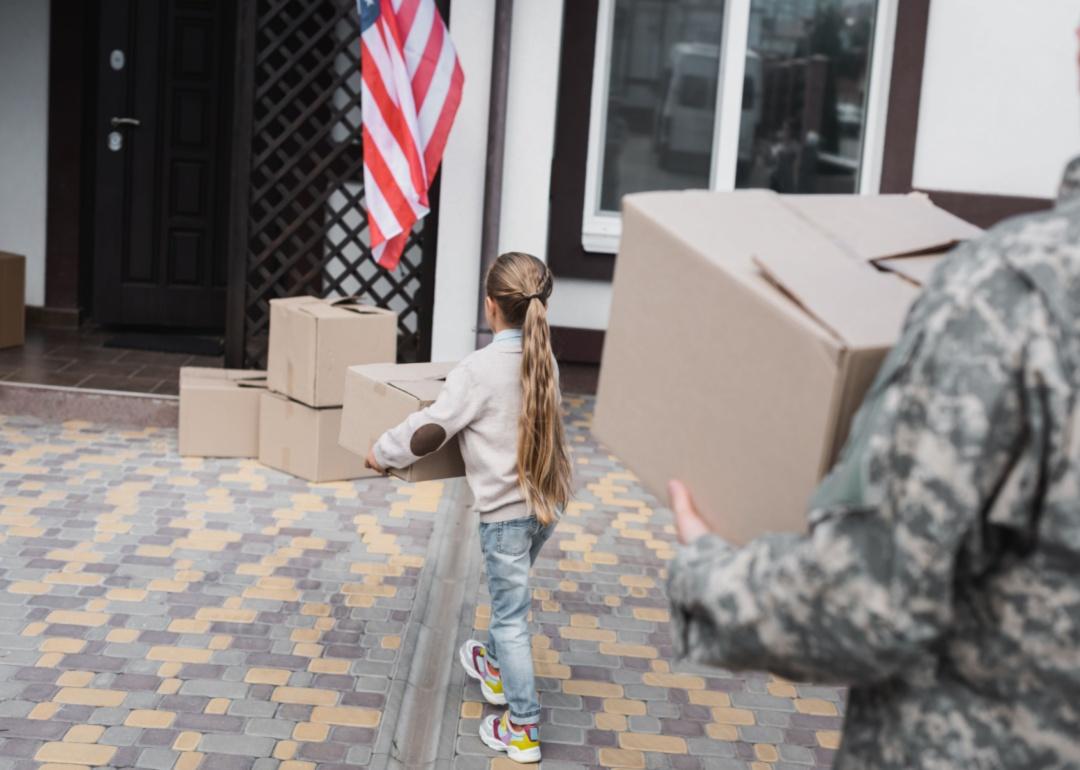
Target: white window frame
x=600, y=231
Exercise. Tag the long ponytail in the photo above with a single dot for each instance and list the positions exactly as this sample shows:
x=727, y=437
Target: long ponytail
x=520, y=284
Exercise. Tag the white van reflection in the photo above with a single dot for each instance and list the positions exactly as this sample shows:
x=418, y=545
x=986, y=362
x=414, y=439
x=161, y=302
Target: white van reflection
x=684, y=124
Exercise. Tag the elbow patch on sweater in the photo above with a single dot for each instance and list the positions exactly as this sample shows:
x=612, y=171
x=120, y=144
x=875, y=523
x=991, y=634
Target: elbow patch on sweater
x=427, y=439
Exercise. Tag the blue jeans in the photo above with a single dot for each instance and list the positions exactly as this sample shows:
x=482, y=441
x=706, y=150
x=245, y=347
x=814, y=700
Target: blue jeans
x=510, y=548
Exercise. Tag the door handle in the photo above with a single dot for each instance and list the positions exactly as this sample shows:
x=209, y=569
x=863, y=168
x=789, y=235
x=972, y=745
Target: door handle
x=133, y=122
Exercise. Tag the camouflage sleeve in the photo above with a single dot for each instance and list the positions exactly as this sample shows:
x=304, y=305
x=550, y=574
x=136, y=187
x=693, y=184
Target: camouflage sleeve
x=869, y=589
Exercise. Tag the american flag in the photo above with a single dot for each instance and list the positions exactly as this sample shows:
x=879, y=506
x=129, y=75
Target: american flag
x=412, y=83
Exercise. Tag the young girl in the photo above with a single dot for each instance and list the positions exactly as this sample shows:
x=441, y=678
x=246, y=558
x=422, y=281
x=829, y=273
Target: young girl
x=503, y=404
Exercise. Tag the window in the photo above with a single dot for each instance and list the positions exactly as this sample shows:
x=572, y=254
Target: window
x=806, y=114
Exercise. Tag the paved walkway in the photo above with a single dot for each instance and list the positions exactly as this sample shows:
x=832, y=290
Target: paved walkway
x=163, y=612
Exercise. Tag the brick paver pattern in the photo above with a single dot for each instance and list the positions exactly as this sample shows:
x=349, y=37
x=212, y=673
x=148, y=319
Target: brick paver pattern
x=167, y=612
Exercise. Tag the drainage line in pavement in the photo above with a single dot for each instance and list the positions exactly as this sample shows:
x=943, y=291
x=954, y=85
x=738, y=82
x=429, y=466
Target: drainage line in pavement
x=416, y=718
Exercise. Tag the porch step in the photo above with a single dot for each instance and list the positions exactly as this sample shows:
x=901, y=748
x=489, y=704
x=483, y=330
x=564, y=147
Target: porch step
x=109, y=407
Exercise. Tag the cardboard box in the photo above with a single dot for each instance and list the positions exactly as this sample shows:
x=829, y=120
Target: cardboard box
x=380, y=396
x=745, y=329
x=313, y=341
x=12, y=299
x=303, y=441
x=219, y=411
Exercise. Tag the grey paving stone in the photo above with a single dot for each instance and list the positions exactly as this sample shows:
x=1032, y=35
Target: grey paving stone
x=269, y=728
x=157, y=759
x=245, y=745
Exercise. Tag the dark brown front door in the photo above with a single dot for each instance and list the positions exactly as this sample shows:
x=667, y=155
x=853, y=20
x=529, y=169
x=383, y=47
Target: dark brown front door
x=164, y=70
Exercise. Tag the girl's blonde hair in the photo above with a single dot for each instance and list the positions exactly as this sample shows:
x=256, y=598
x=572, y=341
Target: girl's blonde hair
x=520, y=285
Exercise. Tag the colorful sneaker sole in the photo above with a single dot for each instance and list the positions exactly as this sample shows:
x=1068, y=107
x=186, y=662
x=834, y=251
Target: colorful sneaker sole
x=524, y=756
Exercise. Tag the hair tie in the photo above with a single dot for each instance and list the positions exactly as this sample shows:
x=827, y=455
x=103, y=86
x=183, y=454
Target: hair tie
x=530, y=297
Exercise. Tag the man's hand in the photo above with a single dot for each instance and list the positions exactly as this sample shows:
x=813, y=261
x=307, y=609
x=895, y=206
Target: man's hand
x=371, y=462
x=688, y=523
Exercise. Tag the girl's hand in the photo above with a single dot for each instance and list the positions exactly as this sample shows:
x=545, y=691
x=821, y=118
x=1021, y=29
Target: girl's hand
x=371, y=462
x=688, y=522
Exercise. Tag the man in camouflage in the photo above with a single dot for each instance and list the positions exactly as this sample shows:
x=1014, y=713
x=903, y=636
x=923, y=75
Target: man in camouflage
x=940, y=578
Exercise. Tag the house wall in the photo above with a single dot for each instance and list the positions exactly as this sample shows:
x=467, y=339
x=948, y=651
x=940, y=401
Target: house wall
x=1000, y=111
x=24, y=123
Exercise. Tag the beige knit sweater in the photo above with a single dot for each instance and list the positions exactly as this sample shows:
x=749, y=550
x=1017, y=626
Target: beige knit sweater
x=479, y=406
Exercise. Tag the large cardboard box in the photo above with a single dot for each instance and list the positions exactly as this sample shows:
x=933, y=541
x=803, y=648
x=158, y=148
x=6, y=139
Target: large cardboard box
x=380, y=396
x=303, y=441
x=313, y=341
x=219, y=411
x=745, y=330
x=12, y=299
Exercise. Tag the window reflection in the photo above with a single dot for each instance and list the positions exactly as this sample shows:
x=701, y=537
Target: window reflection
x=804, y=95
x=661, y=97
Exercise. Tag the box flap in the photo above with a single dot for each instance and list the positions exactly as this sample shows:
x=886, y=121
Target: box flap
x=863, y=307
x=915, y=269
x=425, y=391
x=342, y=308
x=873, y=227
x=401, y=373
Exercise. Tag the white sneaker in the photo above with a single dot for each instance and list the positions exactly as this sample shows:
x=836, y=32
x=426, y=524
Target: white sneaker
x=521, y=744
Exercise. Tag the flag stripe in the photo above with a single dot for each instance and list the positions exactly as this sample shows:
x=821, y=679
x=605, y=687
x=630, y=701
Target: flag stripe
x=411, y=84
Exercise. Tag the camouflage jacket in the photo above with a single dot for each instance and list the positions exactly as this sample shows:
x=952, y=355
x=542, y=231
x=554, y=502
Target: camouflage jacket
x=940, y=578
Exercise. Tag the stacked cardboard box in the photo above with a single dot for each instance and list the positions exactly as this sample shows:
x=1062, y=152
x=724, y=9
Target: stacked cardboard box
x=219, y=411
x=12, y=299
x=312, y=343
x=745, y=329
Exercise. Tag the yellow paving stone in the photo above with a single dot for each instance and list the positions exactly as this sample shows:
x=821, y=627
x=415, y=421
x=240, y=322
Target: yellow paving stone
x=600, y=557
x=612, y=601
x=660, y=666
x=472, y=710
x=84, y=734
x=574, y=565
x=122, y=635
x=305, y=635
x=732, y=716
x=568, y=585
x=828, y=739
x=309, y=732
x=75, y=753
x=325, y=624
x=294, y=764
x=75, y=679
x=217, y=706
x=782, y=689
x=709, y=698
x=225, y=615
x=816, y=706
x=44, y=711
x=624, y=706
x=584, y=621
x=722, y=732
x=126, y=595
x=97, y=605
x=304, y=696
x=614, y=722
x=76, y=618
x=149, y=718
x=308, y=650
x=272, y=594
x=188, y=760
x=49, y=660
x=610, y=757
x=155, y=551
x=28, y=587
x=168, y=586
x=169, y=654
x=666, y=744
x=681, y=681
x=503, y=763
x=274, y=676
x=170, y=669
x=766, y=752
x=187, y=741
x=351, y=716
x=169, y=686
x=285, y=750
x=328, y=666
x=189, y=626
x=321, y=610
x=655, y=614
x=73, y=578
x=552, y=670
x=587, y=634
x=391, y=642
x=630, y=650
x=593, y=689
